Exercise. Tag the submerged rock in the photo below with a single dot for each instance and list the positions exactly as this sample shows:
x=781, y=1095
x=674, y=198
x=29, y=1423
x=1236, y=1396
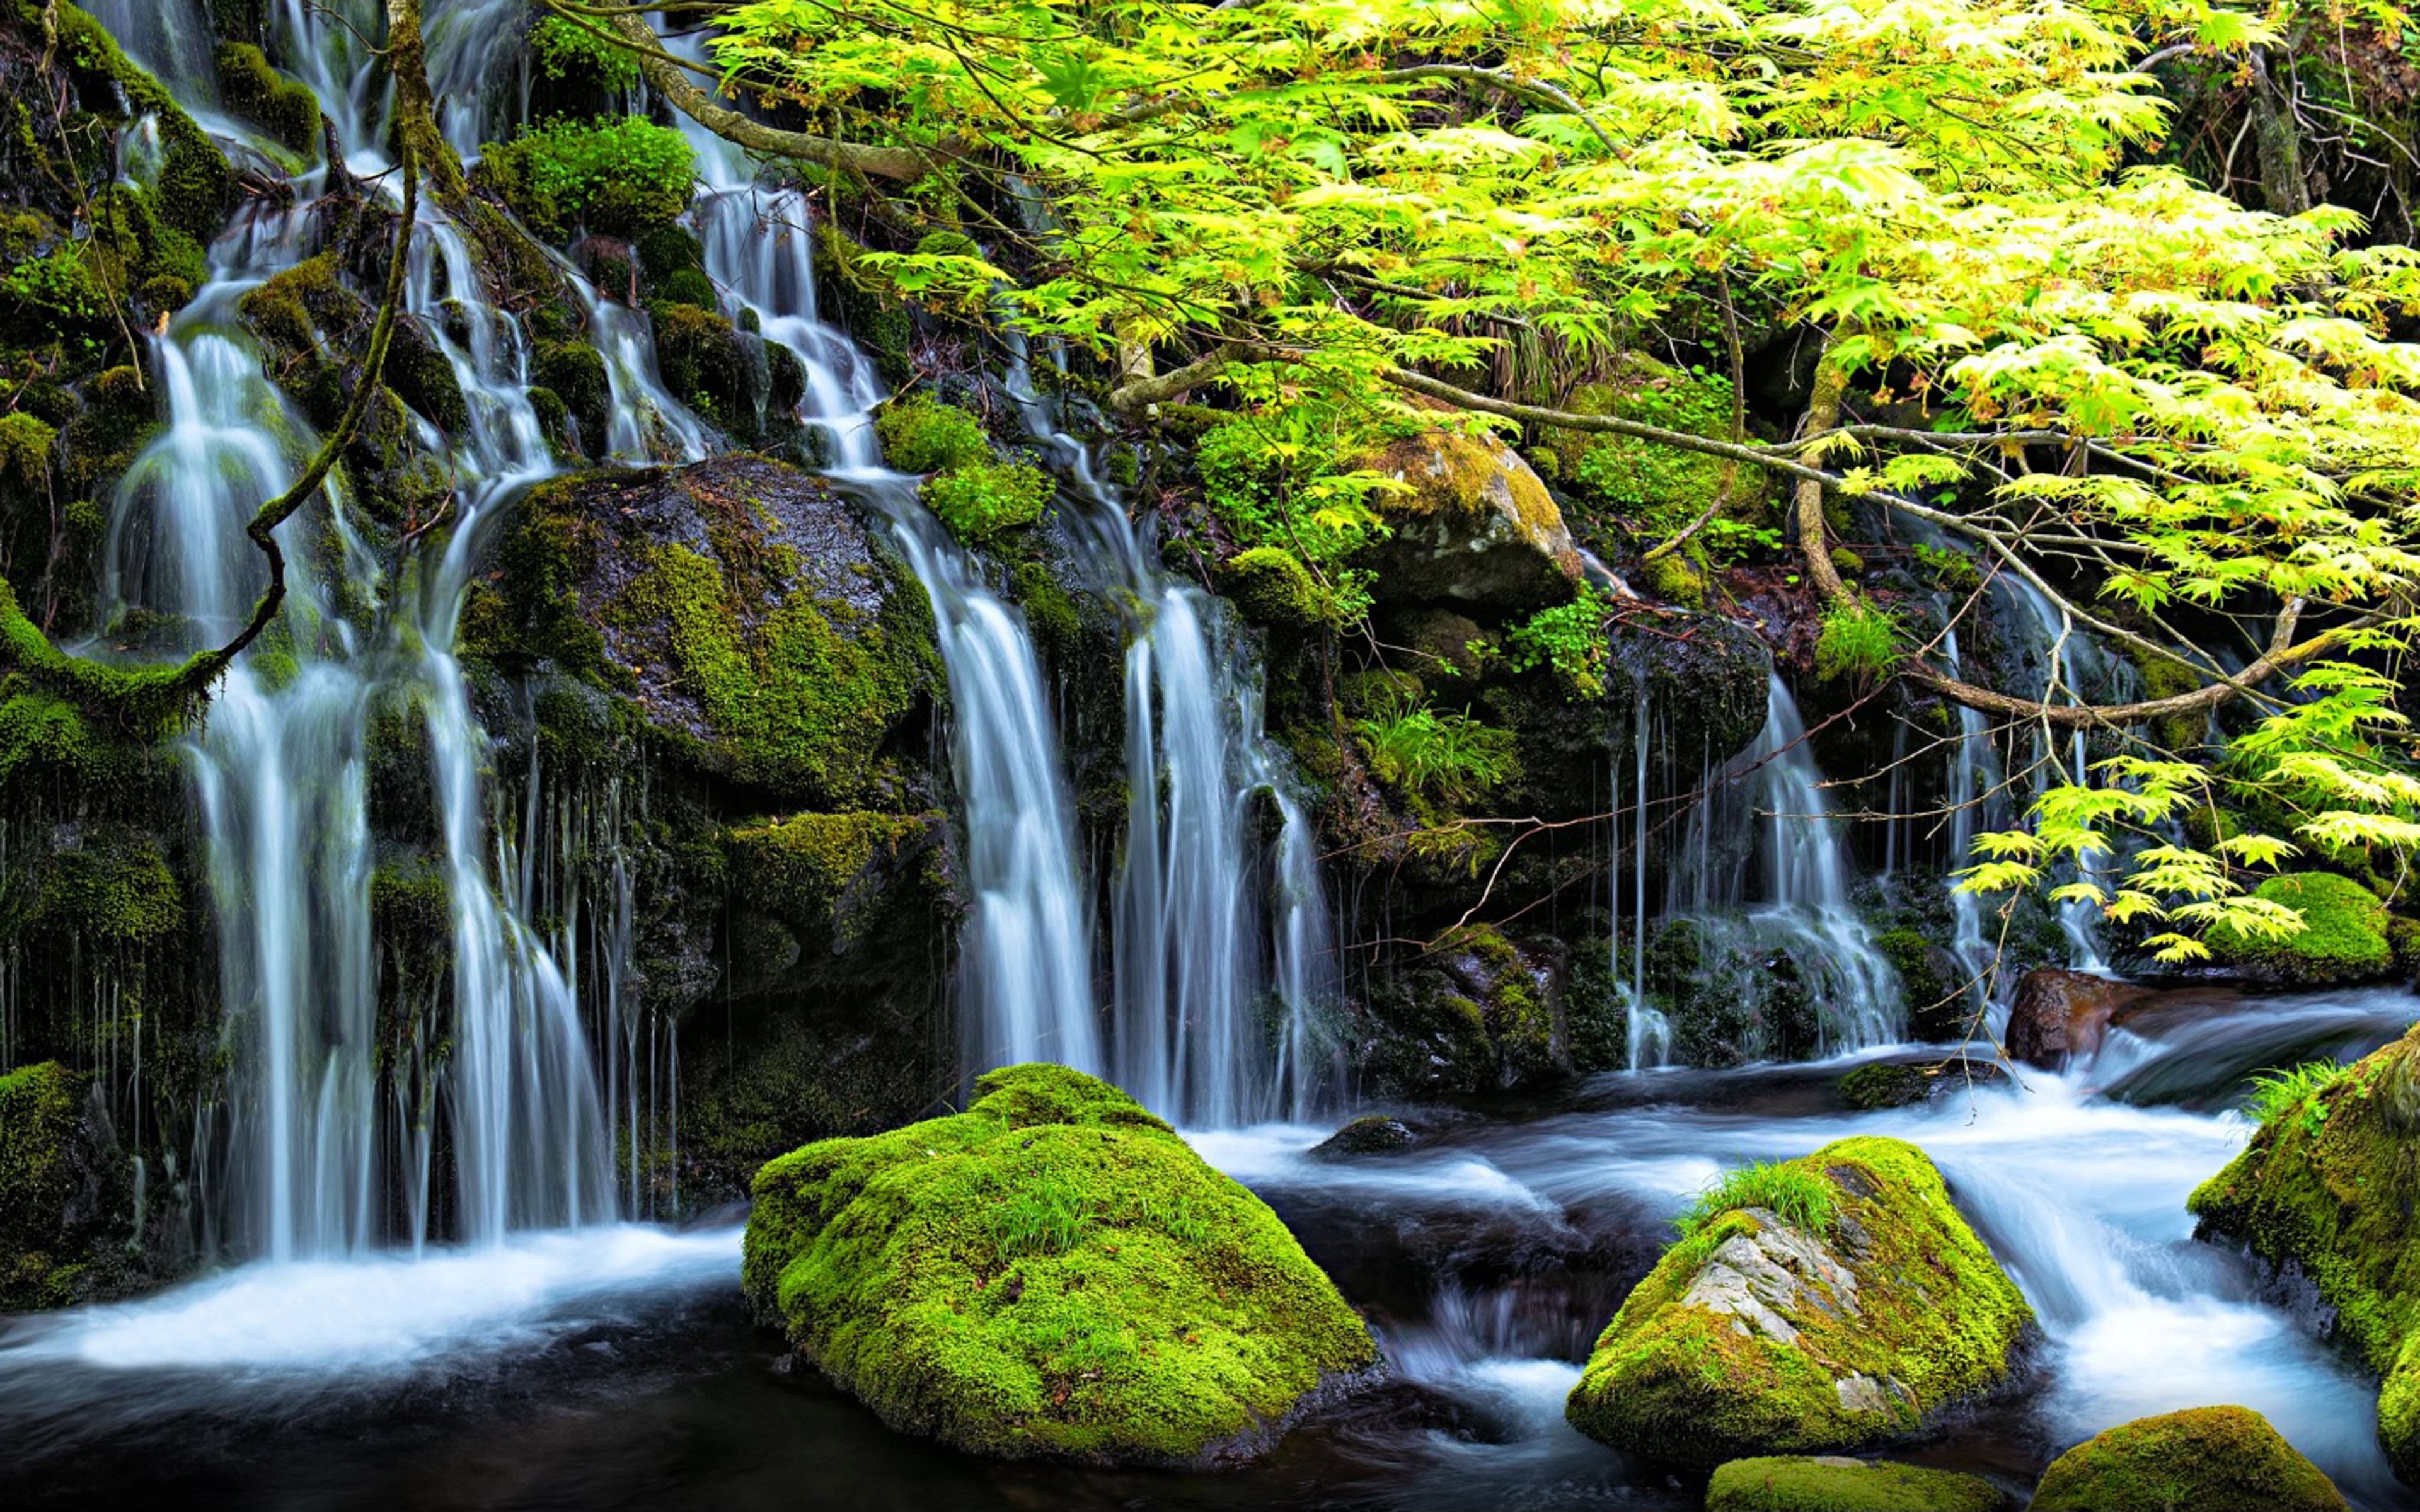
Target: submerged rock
x=1478, y=526
x=1828, y=1483
x=1755, y=1335
x=1897, y=1083
x=2328, y=1193
x=2060, y=1014
x=1052, y=1274
x=1377, y=1134
x=2204, y=1459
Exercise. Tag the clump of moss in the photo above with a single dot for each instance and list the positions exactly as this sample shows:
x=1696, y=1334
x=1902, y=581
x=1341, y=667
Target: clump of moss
x=1640, y=478
x=2343, y=938
x=283, y=107
x=1703, y=1375
x=799, y=867
x=920, y=434
x=2208, y=1458
x=2167, y=678
x=1272, y=587
x=563, y=49
x=1830, y=1484
x=119, y=893
x=975, y=495
x=574, y=373
x=2328, y=1186
x=44, y=1165
x=1051, y=1273
x=195, y=181
x=618, y=177
x=703, y=362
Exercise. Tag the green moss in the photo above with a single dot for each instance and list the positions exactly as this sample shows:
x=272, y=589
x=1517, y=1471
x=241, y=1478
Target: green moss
x=574, y=372
x=2203, y=1460
x=1883, y=1085
x=563, y=49
x=1050, y=1273
x=1932, y=1321
x=1827, y=1484
x=1049, y=608
x=2342, y=936
x=1272, y=587
x=798, y=868
x=668, y=249
x=119, y=891
x=195, y=180
x=793, y=697
x=1642, y=479
x=1858, y=642
x=284, y=108
x=1677, y=580
x=2167, y=678
x=620, y=177
x=920, y=434
x=685, y=285
x=2330, y=1188
x=42, y=1108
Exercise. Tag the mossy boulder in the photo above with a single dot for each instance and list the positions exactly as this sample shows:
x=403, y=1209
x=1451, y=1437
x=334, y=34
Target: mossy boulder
x=1473, y=526
x=1756, y=1336
x=1897, y=1083
x=1828, y=1483
x=288, y=110
x=1273, y=588
x=2343, y=938
x=616, y=176
x=2202, y=1460
x=1375, y=1135
x=753, y=622
x=1052, y=1274
x=2328, y=1193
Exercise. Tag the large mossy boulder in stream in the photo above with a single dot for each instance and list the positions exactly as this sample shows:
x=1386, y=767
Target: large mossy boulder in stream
x=747, y=615
x=1829, y=1483
x=2343, y=937
x=1052, y=1274
x=2328, y=1195
x=2202, y=1460
x=1828, y=1304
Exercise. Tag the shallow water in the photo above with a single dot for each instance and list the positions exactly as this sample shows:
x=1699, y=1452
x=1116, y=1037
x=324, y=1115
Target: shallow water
x=615, y=1368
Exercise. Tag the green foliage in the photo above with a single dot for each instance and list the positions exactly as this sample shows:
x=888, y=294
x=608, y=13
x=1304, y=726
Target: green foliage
x=1451, y=758
x=2277, y=1093
x=1659, y=485
x=41, y=1109
x=1834, y=1485
x=616, y=176
x=1686, y=1382
x=985, y=498
x=1276, y=481
x=1955, y=571
x=1799, y=1197
x=1569, y=638
x=1052, y=1273
x=2208, y=1458
x=1858, y=642
x=562, y=49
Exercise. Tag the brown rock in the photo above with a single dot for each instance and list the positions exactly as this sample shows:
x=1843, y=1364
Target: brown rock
x=2059, y=1014
x=1476, y=527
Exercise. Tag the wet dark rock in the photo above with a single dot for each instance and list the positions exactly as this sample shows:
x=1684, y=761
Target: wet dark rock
x=2059, y=1014
x=1895, y=1084
x=1375, y=1135
x=1478, y=527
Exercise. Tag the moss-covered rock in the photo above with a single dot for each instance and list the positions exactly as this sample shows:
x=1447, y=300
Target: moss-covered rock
x=59, y=1182
x=285, y=109
x=1475, y=525
x=2327, y=1192
x=2343, y=938
x=1051, y=1273
x=194, y=182
x=1828, y=1483
x=753, y=620
x=1375, y=1135
x=616, y=176
x=1755, y=1337
x=1897, y=1083
x=2202, y=1460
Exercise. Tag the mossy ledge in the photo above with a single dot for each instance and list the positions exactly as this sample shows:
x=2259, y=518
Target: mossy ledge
x=2202, y=1460
x=1827, y=1483
x=1052, y=1274
x=2327, y=1193
x=1751, y=1337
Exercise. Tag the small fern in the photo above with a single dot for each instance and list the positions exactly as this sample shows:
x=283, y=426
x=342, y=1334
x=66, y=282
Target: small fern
x=2277, y=1093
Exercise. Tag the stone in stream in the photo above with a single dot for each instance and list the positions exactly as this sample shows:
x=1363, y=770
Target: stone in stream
x=1897, y=1083
x=2205, y=1459
x=2327, y=1194
x=1052, y=1274
x=1375, y=1135
x=1859, y=1324
x=2060, y=1014
x=1830, y=1483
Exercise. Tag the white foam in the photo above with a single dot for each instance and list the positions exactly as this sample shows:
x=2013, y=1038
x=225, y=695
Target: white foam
x=381, y=1314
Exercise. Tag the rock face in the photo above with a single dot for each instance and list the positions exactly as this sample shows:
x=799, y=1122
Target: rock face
x=1051, y=1273
x=1828, y=1483
x=1478, y=527
x=2206, y=1458
x=2060, y=1014
x=1755, y=1337
x=62, y=1193
x=2327, y=1192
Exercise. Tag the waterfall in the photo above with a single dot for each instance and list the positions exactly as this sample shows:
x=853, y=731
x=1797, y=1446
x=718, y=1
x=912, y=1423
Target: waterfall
x=1765, y=873
x=1026, y=953
x=1648, y=1036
